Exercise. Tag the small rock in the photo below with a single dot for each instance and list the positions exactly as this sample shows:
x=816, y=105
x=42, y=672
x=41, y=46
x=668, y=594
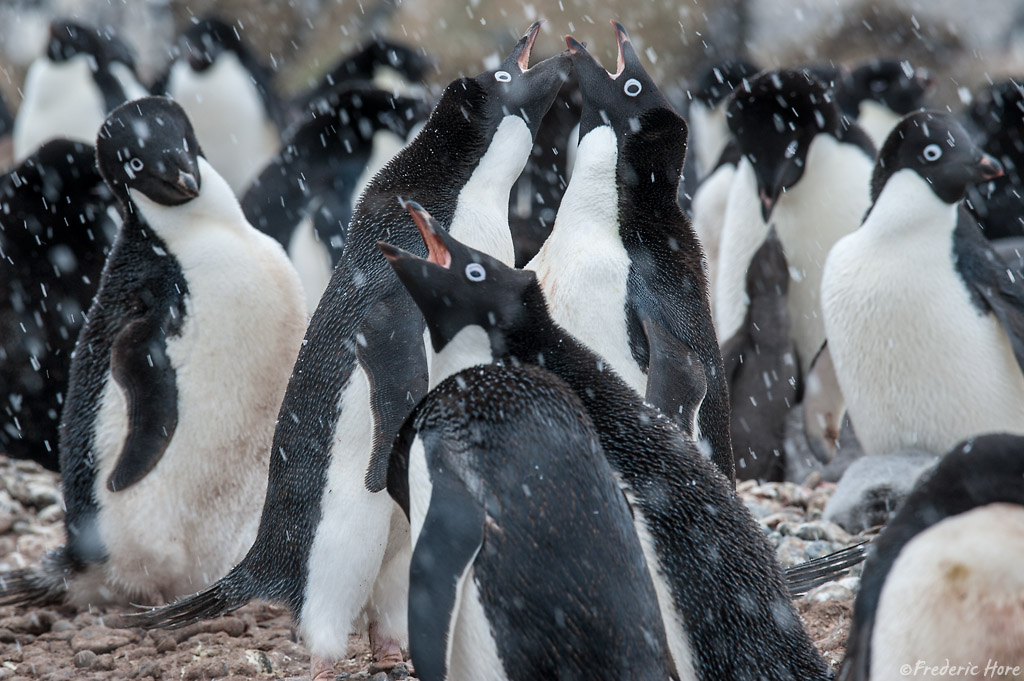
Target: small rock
x=6, y=521
x=99, y=640
x=146, y=668
x=791, y=551
x=817, y=549
x=400, y=671
x=833, y=591
x=232, y=626
x=379, y=676
x=62, y=625
x=166, y=644
x=811, y=532
x=84, y=659
x=103, y=663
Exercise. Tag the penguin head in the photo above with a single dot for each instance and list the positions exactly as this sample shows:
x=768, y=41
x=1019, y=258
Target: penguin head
x=410, y=63
x=936, y=147
x=517, y=89
x=69, y=39
x=719, y=80
x=148, y=145
x=774, y=118
x=617, y=99
x=456, y=286
x=207, y=39
x=895, y=84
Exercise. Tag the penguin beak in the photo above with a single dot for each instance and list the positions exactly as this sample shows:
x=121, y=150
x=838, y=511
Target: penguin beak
x=625, y=48
x=521, y=52
x=924, y=78
x=187, y=184
x=989, y=168
x=437, y=251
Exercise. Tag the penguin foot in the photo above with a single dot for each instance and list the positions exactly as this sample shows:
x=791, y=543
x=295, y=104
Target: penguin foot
x=386, y=652
x=322, y=670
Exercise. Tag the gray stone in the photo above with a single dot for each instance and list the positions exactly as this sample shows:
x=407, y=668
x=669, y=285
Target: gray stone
x=811, y=531
x=84, y=659
x=873, y=487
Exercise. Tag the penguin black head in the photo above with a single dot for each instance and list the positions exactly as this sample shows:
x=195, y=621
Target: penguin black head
x=207, y=39
x=895, y=84
x=456, y=286
x=774, y=118
x=936, y=147
x=516, y=88
x=617, y=99
x=720, y=79
x=148, y=145
x=68, y=39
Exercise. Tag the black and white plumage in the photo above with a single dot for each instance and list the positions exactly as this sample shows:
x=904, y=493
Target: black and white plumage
x=175, y=382
x=229, y=96
x=998, y=204
x=925, y=322
x=306, y=194
x=943, y=583
x=722, y=595
x=879, y=92
x=82, y=75
x=55, y=234
x=526, y=564
x=621, y=269
x=362, y=368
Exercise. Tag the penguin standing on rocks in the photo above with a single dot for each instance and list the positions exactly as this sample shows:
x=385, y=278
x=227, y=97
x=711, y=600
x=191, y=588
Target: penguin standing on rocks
x=228, y=95
x=305, y=196
x=722, y=595
x=363, y=367
x=55, y=233
x=806, y=172
x=944, y=359
x=519, y=529
x=170, y=410
x=69, y=90
x=879, y=92
x=622, y=268
x=943, y=584
x=762, y=369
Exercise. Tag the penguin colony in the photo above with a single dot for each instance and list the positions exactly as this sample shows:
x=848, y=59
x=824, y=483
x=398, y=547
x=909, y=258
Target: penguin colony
x=279, y=350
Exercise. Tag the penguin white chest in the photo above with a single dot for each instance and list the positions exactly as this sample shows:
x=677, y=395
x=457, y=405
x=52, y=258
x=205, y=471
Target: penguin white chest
x=61, y=100
x=877, y=120
x=918, y=363
x=229, y=118
x=956, y=593
x=710, y=134
x=583, y=267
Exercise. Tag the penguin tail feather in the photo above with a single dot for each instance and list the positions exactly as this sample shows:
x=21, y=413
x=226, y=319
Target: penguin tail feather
x=46, y=584
x=803, y=577
x=220, y=598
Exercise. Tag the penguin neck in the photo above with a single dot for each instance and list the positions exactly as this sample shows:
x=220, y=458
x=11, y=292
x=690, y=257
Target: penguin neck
x=877, y=120
x=216, y=203
x=590, y=206
x=481, y=212
x=710, y=134
x=470, y=347
x=907, y=206
x=128, y=81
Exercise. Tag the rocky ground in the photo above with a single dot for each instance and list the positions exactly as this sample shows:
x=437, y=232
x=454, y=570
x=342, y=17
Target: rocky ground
x=258, y=641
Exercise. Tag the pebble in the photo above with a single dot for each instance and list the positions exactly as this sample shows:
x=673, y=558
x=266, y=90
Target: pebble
x=84, y=659
x=400, y=671
x=99, y=640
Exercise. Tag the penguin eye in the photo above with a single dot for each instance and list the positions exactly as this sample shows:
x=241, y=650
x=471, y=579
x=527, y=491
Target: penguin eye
x=933, y=152
x=475, y=272
x=136, y=164
x=502, y=76
x=632, y=87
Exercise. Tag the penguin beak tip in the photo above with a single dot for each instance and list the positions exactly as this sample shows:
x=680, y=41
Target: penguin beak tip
x=188, y=184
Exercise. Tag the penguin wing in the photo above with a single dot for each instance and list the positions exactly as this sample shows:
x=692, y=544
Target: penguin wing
x=451, y=537
x=999, y=286
x=676, y=383
x=140, y=365
x=390, y=350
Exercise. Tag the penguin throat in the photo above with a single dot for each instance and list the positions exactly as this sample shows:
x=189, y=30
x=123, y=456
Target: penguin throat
x=470, y=347
x=591, y=201
x=481, y=213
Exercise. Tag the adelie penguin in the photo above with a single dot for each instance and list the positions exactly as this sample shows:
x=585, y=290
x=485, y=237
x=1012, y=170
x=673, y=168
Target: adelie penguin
x=83, y=74
x=622, y=267
x=943, y=586
x=175, y=381
x=305, y=196
x=721, y=593
x=526, y=563
x=363, y=367
x=55, y=234
x=805, y=171
x=229, y=97
x=925, y=323
x=997, y=114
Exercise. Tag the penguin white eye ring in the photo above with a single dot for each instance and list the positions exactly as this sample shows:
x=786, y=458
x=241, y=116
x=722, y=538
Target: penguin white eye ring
x=133, y=166
x=475, y=272
x=633, y=87
x=502, y=76
x=932, y=153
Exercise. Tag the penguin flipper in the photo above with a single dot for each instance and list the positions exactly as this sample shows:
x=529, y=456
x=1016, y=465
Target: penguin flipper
x=451, y=537
x=676, y=382
x=140, y=365
x=391, y=353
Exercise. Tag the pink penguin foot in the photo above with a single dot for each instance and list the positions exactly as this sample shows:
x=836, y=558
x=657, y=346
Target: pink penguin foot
x=322, y=670
x=386, y=652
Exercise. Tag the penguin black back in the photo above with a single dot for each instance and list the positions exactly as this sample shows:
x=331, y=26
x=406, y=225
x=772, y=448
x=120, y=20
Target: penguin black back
x=54, y=234
x=526, y=501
